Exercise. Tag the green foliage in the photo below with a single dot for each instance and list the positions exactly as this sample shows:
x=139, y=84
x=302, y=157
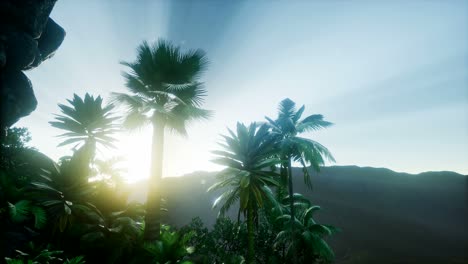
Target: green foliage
x=21, y=218
x=39, y=256
x=56, y=203
x=306, y=239
x=117, y=234
x=172, y=247
x=24, y=209
x=94, y=220
x=16, y=138
x=61, y=196
x=225, y=243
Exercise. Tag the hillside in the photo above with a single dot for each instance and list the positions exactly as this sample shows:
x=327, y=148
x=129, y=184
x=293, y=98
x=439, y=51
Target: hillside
x=386, y=216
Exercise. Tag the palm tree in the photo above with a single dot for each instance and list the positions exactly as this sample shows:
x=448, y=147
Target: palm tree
x=287, y=127
x=87, y=122
x=308, y=237
x=164, y=92
x=248, y=157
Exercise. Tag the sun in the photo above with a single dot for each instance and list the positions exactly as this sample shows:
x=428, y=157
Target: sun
x=181, y=155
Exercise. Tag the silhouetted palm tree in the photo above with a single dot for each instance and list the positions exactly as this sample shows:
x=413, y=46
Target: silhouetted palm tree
x=87, y=122
x=164, y=92
x=248, y=157
x=287, y=127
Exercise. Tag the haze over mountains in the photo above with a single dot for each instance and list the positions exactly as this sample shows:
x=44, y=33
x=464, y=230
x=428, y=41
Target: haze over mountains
x=385, y=215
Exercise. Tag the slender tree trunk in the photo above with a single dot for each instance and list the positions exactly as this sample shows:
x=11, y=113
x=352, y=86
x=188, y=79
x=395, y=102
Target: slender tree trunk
x=83, y=158
x=281, y=190
x=293, y=215
x=153, y=201
x=250, y=236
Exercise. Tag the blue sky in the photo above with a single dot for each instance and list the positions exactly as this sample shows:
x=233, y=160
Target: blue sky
x=391, y=75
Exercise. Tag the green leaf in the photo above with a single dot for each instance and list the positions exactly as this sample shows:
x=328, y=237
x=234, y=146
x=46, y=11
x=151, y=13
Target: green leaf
x=19, y=211
x=75, y=260
x=245, y=180
x=13, y=261
x=40, y=217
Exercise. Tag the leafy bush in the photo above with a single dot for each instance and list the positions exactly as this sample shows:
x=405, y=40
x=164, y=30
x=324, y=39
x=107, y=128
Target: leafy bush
x=41, y=256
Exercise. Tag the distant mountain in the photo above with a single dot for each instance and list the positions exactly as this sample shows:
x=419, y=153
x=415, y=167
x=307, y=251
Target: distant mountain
x=386, y=217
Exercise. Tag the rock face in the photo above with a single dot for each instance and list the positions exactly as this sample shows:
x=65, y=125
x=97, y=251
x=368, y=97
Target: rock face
x=27, y=37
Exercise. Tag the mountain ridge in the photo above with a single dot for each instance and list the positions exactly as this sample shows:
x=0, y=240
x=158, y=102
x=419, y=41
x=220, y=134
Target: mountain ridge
x=334, y=166
x=383, y=214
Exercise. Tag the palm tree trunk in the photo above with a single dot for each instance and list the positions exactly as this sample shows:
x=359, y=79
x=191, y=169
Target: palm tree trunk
x=281, y=190
x=153, y=201
x=291, y=206
x=83, y=158
x=250, y=236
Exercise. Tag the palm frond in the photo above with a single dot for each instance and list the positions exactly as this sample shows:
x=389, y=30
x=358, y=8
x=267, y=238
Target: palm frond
x=312, y=123
x=286, y=109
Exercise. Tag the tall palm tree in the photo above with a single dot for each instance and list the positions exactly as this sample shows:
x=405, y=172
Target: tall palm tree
x=287, y=127
x=164, y=92
x=87, y=122
x=248, y=157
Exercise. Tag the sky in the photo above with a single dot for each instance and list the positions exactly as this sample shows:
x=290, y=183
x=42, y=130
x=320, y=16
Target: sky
x=391, y=75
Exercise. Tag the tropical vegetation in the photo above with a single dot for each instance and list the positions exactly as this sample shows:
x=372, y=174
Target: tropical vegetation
x=248, y=157
x=291, y=147
x=77, y=209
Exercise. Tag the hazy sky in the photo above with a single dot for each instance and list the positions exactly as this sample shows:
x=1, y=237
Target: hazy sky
x=391, y=75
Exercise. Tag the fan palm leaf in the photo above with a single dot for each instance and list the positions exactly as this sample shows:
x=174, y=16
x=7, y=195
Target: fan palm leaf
x=86, y=121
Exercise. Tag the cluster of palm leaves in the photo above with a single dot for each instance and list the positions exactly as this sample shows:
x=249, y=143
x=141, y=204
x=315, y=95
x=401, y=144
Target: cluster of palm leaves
x=306, y=239
x=252, y=156
x=86, y=121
